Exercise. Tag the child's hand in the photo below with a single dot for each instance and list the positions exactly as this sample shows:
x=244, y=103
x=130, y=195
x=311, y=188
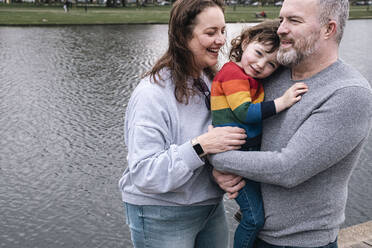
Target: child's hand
x=290, y=97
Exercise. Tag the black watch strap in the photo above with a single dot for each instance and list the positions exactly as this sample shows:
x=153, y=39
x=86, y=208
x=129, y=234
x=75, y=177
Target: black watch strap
x=197, y=148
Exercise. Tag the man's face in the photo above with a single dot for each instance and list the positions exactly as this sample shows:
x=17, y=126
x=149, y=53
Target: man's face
x=299, y=31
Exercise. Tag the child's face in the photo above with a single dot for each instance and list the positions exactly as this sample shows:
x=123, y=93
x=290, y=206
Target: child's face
x=257, y=62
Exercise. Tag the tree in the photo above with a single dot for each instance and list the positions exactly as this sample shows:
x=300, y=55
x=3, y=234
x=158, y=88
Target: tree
x=111, y=3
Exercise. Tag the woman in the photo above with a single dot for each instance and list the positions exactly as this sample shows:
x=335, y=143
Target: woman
x=170, y=197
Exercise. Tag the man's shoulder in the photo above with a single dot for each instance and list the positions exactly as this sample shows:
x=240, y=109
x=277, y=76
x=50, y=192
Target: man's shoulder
x=343, y=85
x=345, y=75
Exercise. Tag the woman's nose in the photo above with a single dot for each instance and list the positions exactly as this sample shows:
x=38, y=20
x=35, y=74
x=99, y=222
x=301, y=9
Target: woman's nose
x=221, y=39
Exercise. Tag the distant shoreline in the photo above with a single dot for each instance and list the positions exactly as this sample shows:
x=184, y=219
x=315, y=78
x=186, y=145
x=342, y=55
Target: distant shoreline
x=28, y=15
x=104, y=24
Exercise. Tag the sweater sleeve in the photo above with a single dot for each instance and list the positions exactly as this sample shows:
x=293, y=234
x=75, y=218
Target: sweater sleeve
x=330, y=133
x=239, y=99
x=155, y=163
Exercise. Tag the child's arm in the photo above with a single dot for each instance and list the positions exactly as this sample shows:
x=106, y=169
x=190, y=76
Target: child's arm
x=237, y=97
x=290, y=97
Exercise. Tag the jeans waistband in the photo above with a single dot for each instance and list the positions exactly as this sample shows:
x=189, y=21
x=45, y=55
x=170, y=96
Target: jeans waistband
x=262, y=244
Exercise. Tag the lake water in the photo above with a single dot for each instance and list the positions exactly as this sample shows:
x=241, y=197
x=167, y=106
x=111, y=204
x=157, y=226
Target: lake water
x=63, y=93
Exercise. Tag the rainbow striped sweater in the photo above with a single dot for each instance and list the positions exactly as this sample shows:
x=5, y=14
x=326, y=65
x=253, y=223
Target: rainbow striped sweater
x=237, y=100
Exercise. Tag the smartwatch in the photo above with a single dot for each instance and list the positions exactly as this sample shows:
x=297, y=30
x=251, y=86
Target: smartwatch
x=197, y=147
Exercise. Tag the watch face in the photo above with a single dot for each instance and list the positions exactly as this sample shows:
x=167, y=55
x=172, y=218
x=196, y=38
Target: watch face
x=198, y=149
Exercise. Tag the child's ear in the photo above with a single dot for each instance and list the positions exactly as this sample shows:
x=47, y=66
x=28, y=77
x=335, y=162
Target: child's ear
x=245, y=44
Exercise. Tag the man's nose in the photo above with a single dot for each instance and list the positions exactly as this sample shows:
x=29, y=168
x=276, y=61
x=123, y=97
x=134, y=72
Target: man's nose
x=283, y=28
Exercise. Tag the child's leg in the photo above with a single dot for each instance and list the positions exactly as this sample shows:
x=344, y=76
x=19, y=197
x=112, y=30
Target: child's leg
x=251, y=206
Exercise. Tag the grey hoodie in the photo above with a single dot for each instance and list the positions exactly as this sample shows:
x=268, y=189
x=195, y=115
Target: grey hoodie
x=163, y=168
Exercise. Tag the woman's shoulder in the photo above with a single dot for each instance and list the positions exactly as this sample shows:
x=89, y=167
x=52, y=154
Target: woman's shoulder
x=148, y=89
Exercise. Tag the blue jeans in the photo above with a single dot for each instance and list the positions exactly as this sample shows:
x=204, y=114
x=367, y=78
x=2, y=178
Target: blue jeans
x=253, y=218
x=177, y=226
x=262, y=244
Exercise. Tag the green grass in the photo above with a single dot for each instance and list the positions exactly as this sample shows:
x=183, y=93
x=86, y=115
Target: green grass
x=55, y=15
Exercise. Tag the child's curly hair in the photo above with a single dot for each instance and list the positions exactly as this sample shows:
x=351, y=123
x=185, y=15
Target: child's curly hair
x=264, y=32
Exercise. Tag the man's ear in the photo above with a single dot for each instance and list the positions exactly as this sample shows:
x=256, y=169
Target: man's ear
x=330, y=29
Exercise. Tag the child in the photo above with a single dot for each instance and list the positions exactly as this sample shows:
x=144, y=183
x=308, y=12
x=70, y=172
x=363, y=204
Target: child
x=237, y=100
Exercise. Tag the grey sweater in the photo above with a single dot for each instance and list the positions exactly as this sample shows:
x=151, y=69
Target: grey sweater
x=163, y=168
x=308, y=154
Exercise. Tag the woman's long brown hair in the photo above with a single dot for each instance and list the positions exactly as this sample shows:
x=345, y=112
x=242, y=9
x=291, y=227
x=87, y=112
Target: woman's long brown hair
x=178, y=58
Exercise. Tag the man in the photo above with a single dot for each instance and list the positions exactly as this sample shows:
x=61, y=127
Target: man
x=309, y=151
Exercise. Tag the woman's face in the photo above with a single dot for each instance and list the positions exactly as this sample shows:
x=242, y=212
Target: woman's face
x=208, y=37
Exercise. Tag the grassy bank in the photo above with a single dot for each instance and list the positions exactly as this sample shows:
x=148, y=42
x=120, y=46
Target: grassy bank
x=55, y=15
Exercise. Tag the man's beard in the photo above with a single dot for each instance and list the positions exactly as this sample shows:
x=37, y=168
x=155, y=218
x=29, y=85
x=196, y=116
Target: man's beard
x=302, y=48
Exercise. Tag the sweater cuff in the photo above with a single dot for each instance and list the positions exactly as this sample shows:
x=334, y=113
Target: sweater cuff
x=268, y=109
x=189, y=156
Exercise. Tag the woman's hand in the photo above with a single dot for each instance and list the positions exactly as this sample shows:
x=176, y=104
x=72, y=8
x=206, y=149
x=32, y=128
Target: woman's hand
x=221, y=139
x=230, y=183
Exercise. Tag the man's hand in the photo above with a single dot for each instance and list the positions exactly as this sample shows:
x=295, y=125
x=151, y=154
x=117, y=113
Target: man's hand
x=230, y=183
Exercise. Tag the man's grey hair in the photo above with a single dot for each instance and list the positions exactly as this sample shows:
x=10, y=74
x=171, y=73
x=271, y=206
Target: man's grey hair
x=337, y=10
